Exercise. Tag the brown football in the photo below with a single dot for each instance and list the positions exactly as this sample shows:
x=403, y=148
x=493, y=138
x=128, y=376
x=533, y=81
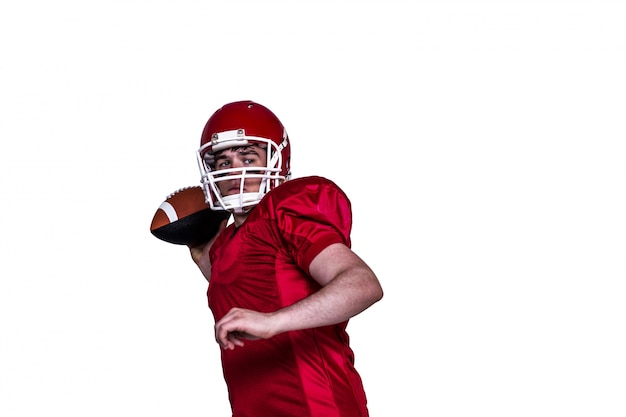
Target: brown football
x=184, y=218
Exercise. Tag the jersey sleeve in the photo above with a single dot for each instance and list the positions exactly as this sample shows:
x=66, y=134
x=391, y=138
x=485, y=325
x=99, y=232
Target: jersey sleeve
x=311, y=214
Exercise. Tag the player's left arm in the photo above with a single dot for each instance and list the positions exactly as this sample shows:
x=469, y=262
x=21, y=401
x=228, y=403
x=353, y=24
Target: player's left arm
x=349, y=286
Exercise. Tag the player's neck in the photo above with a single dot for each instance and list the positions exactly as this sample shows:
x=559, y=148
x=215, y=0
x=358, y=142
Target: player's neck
x=240, y=218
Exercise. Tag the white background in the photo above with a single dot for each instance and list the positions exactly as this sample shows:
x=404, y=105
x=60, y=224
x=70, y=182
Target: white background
x=480, y=143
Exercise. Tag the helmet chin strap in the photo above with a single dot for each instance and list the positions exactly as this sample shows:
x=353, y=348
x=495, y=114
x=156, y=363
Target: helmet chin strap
x=241, y=203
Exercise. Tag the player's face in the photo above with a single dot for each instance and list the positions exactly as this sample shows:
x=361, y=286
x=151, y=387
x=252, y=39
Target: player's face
x=241, y=157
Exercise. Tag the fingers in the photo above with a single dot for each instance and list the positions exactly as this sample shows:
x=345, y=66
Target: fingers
x=236, y=326
x=227, y=334
x=234, y=339
x=230, y=340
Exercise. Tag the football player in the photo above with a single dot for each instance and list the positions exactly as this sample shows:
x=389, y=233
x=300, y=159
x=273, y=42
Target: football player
x=283, y=281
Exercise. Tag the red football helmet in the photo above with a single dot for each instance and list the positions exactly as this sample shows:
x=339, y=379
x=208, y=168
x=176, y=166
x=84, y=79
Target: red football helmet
x=238, y=124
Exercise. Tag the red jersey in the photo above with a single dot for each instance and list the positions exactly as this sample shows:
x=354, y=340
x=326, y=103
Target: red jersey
x=263, y=266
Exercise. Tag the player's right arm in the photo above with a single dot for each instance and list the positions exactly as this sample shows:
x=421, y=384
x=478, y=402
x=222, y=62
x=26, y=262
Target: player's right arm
x=200, y=253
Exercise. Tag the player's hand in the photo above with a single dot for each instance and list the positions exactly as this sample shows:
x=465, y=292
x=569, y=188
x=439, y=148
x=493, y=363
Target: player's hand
x=200, y=253
x=240, y=324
